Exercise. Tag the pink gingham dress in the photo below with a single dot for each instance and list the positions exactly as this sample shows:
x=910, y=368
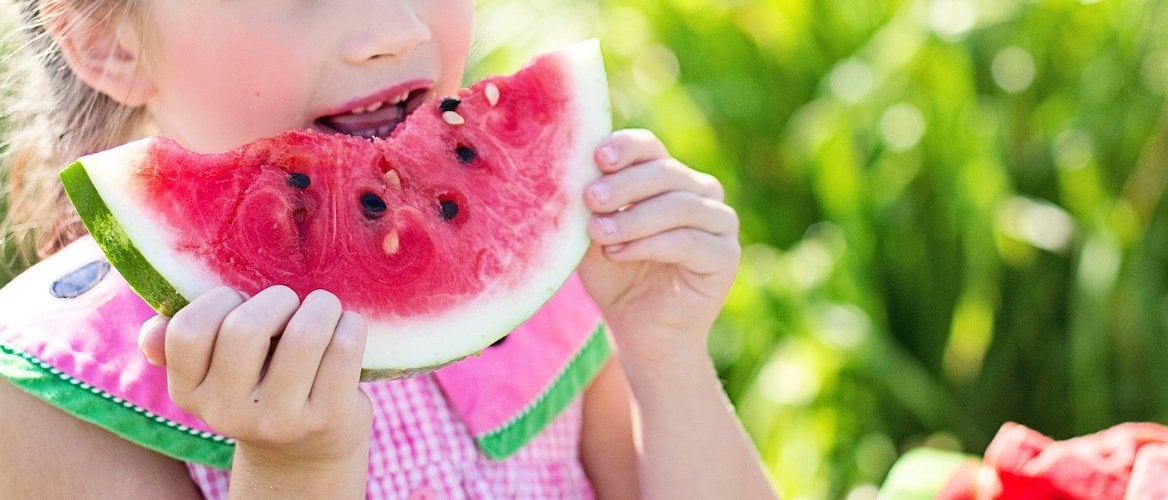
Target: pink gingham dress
x=420, y=449
x=503, y=424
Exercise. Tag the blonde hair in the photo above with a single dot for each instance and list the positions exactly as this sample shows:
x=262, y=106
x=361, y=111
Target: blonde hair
x=51, y=119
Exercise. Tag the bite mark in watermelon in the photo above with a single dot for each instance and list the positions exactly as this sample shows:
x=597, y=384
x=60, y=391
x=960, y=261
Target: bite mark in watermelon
x=445, y=236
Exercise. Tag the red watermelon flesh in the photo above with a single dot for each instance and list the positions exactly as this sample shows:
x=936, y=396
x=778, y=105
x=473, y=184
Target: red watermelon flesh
x=1096, y=466
x=445, y=236
x=969, y=482
x=1149, y=474
x=1014, y=446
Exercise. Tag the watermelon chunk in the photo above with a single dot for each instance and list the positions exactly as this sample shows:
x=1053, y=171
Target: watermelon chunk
x=444, y=236
x=1149, y=474
x=1127, y=461
x=1014, y=446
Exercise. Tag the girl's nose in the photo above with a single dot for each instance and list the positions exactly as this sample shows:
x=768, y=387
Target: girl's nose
x=392, y=30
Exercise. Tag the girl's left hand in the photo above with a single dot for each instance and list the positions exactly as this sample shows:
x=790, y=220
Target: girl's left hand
x=664, y=249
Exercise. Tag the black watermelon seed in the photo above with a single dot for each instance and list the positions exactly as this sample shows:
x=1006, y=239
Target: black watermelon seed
x=449, y=209
x=449, y=104
x=299, y=180
x=373, y=205
x=465, y=153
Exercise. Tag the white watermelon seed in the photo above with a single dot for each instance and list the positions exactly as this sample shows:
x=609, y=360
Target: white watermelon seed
x=391, y=242
x=452, y=118
x=492, y=92
x=392, y=179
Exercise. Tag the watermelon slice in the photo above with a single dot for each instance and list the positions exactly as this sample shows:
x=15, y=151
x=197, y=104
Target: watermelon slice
x=445, y=236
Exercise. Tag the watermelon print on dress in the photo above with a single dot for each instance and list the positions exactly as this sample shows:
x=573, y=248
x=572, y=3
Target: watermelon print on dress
x=444, y=236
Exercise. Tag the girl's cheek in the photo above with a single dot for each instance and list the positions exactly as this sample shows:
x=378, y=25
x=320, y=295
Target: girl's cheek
x=453, y=25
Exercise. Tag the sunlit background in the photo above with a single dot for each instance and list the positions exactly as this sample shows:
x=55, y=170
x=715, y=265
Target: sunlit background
x=952, y=209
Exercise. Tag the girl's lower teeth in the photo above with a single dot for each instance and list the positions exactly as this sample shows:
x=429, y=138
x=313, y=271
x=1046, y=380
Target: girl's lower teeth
x=389, y=118
x=381, y=131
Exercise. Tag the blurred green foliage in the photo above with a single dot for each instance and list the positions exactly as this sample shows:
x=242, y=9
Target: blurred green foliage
x=951, y=209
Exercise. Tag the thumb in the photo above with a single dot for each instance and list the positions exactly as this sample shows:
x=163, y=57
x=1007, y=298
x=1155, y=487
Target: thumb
x=152, y=340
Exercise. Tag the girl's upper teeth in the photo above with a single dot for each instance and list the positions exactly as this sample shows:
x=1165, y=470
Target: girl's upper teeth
x=378, y=105
x=398, y=99
x=368, y=109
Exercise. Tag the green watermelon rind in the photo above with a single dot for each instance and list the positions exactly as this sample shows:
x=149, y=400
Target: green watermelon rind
x=920, y=474
x=132, y=422
x=146, y=281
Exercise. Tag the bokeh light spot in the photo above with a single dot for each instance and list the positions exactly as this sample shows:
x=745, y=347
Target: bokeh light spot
x=902, y=126
x=1013, y=69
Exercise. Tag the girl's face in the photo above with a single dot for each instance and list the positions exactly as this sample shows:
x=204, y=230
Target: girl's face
x=226, y=72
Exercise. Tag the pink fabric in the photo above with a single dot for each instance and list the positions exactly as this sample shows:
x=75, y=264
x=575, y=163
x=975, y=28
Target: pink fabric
x=423, y=440
x=421, y=449
x=93, y=337
x=495, y=386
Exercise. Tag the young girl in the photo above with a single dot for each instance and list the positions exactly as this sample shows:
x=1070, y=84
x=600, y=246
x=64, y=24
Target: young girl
x=652, y=420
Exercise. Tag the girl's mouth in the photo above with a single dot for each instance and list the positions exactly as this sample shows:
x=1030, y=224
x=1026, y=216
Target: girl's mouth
x=378, y=119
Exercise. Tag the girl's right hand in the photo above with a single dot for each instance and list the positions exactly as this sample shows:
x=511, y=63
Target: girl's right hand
x=277, y=375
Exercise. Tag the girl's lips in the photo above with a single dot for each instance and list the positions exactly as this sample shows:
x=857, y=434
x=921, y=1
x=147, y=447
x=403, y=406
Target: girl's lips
x=377, y=115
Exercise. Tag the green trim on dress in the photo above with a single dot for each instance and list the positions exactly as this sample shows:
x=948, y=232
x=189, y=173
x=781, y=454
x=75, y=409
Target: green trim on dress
x=501, y=442
x=96, y=406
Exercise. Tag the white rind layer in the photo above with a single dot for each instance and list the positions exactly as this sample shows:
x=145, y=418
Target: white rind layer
x=410, y=344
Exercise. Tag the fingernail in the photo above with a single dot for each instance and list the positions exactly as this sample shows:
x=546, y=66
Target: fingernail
x=615, y=248
x=607, y=225
x=601, y=192
x=609, y=154
x=145, y=329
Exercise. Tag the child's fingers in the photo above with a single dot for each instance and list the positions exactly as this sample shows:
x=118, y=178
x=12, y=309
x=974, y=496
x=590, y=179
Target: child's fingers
x=190, y=339
x=645, y=180
x=245, y=339
x=152, y=340
x=693, y=249
x=672, y=210
x=340, y=368
x=628, y=147
x=298, y=353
